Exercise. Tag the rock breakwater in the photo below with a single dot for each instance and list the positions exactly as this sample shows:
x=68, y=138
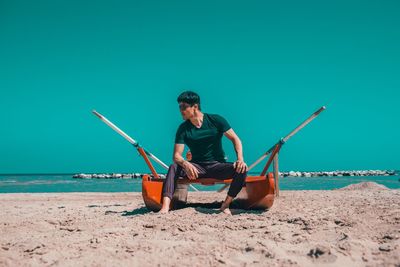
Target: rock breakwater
x=282, y=174
x=339, y=173
x=111, y=175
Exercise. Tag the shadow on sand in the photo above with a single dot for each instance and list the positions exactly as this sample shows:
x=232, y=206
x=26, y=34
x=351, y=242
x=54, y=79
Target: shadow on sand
x=138, y=211
x=205, y=208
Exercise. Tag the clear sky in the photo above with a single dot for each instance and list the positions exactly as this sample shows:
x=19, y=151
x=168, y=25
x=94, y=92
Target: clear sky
x=263, y=65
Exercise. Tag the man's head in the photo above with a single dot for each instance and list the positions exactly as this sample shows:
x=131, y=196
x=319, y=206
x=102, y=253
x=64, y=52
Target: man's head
x=189, y=104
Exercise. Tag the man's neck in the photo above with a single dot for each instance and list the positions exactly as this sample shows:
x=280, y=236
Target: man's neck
x=197, y=120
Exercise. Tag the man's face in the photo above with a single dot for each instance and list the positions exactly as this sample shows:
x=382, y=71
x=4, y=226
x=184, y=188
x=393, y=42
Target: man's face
x=187, y=111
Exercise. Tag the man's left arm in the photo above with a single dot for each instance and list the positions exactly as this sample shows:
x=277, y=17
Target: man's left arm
x=239, y=165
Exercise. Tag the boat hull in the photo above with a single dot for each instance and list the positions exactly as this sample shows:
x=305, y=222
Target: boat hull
x=258, y=192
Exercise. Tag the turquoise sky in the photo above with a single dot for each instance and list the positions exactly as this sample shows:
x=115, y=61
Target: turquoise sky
x=264, y=65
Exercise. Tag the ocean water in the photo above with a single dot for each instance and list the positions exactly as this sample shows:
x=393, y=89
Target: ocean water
x=65, y=183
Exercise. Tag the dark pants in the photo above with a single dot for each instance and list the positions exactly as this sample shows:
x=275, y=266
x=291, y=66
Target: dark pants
x=213, y=169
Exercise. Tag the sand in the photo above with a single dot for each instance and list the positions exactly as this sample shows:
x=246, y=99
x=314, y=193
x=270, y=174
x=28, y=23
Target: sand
x=359, y=227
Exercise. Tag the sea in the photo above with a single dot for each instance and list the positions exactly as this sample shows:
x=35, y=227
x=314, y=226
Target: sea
x=62, y=183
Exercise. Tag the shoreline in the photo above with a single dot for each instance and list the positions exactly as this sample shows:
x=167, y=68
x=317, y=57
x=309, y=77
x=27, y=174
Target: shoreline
x=303, y=228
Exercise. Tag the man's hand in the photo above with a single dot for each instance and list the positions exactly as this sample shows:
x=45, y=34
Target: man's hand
x=191, y=171
x=240, y=166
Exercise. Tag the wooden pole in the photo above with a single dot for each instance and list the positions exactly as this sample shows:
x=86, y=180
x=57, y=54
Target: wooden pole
x=151, y=167
x=271, y=158
x=276, y=174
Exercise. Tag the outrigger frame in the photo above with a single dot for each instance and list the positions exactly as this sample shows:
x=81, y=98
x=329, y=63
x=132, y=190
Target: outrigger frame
x=275, y=149
x=258, y=193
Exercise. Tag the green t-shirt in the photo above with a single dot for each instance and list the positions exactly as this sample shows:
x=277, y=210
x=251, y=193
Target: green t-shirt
x=205, y=143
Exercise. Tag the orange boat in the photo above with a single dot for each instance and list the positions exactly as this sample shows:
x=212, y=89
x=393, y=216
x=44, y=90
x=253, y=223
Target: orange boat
x=258, y=192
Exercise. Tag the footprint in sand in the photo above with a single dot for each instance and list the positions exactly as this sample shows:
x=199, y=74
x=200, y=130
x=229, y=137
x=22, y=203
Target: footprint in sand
x=38, y=249
x=322, y=254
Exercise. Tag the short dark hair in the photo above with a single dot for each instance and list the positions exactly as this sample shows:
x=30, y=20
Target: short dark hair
x=189, y=97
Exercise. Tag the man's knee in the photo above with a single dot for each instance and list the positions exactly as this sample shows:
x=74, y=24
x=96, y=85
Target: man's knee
x=243, y=175
x=236, y=173
x=240, y=176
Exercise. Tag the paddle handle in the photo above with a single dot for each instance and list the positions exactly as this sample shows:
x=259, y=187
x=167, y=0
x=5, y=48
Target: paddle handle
x=115, y=128
x=257, y=161
x=304, y=123
x=128, y=138
x=284, y=140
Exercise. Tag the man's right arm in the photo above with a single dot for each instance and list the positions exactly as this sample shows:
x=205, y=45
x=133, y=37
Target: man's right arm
x=190, y=169
x=178, y=150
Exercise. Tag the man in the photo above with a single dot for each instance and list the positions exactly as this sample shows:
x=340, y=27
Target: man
x=202, y=133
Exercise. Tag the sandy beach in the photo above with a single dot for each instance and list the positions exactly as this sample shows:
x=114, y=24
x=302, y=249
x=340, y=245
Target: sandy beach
x=353, y=227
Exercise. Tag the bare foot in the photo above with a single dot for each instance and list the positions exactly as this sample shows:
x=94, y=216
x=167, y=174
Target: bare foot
x=226, y=211
x=163, y=211
x=165, y=205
